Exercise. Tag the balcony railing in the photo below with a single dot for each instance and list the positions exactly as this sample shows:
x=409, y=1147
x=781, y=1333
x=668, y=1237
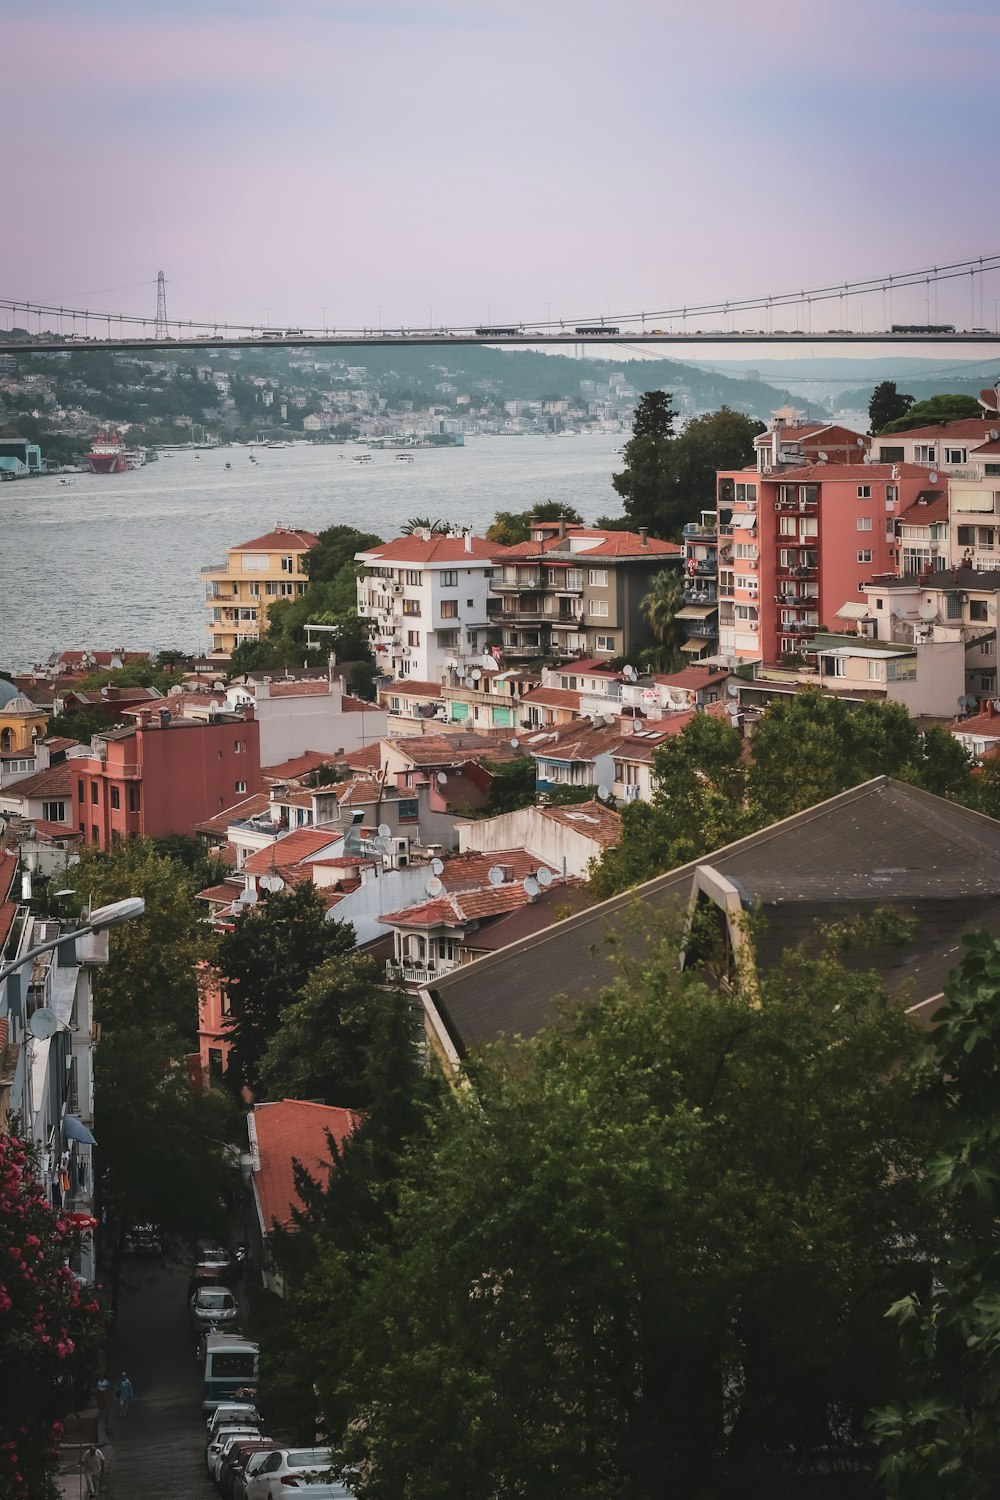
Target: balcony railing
x=798, y=570
x=418, y=973
x=516, y=585
x=703, y=629
x=222, y=567
x=694, y=595
x=696, y=529
x=705, y=567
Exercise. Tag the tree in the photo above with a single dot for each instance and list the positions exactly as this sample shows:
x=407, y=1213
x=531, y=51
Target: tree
x=150, y=978
x=654, y=416
x=936, y=409
x=940, y=1437
x=659, y=608
x=265, y=961
x=510, y=527
x=50, y=1328
x=887, y=405
x=514, y=783
x=335, y=549
x=685, y=1297
x=330, y=1039
x=163, y=1156
x=423, y=523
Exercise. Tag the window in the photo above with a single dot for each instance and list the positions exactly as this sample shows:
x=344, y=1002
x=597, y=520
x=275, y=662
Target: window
x=954, y=607
x=604, y=643
x=788, y=525
x=241, y=786
x=449, y=609
x=93, y=792
x=865, y=555
x=745, y=552
x=954, y=455
x=864, y=523
x=808, y=526
x=835, y=666
x=966, y=536
x=286, y=590
x=598, y=578
x=412, y=576
x=253, y=589
x=116, y=799
x=447, y=638
x=54, y=812
x=890, y=455
x=79, y=789
x=987, y=648
x=287, y=565
x=574, y=578
x=746, y=492
x=874, y=671
x=413, y=637
x=449, y=579
x=411, y=606
x=598, y=608
x=864, y=491
x=270, y=589
x=925, y=453
x=95, y=834
x=446, y=948
x=133, y=799
x=978, y=609
x=409, y=809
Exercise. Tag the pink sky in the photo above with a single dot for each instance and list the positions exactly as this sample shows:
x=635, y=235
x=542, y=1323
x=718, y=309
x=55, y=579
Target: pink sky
x=483, y=159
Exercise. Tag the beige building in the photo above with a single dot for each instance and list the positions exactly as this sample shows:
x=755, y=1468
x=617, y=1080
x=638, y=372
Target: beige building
x=255, y=575
x=955, y=603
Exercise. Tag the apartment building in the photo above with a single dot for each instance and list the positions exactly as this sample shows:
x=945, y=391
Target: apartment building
x=255, y=575
x=425, y=597
x=950, y=603
x=799, y=544
x=699, y=614
x=575, y=593
x=946, y=447
x=791, y=440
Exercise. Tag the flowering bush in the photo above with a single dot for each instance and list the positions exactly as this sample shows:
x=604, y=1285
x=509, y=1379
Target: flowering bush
x=49, y=1329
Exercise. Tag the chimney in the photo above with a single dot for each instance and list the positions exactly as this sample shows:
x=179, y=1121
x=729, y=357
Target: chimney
x=248, y=713
x=145, y=718
x=468, y=541
x=562, y=526
x=644, y=536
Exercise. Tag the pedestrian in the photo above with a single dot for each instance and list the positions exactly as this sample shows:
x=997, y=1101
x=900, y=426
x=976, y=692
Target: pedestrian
x=124, y=1392
x=92, y=1464
x=103, y=1393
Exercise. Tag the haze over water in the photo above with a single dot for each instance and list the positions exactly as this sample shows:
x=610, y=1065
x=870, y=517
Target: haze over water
x=113, y=560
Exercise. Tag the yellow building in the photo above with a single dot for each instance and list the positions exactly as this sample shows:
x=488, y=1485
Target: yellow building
x=254, y=575
x=21, y=721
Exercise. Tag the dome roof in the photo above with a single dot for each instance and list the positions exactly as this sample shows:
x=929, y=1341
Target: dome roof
x=16, y=703
x=7, y=692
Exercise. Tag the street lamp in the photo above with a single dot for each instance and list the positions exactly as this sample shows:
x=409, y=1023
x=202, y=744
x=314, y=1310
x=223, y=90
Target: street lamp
x=98, y=921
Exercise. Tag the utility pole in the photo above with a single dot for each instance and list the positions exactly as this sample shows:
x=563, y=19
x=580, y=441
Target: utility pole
x=161, y=306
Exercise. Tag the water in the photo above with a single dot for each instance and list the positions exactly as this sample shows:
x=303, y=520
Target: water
x=113, y=560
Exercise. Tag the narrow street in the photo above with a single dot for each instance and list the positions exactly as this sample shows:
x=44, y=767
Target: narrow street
x=158, y=1450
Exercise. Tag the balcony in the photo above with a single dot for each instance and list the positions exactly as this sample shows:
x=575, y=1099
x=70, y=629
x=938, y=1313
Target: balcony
x=694, y=595
x=696, y=529
x=700, y=629
x=705, y=567
x=797, y=570
x=524, y=581
x=222, y=567
x=418, y=973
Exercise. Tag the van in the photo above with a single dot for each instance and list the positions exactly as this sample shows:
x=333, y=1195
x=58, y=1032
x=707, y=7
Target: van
x=231, y=1367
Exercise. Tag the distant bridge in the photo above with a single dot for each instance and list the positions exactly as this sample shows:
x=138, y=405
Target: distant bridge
x=746, y=320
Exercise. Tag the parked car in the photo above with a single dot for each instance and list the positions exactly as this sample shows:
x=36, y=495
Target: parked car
x=230, y=1446
x=243, y=1477
x=220, y=1438
x=144, y=1239
x=233, y=1414
x=236, y=1460
x=213, y=1307
x=212, y=1260
x=296, y=1468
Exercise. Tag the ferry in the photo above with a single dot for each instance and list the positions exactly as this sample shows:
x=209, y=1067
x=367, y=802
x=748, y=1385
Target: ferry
x=404, y=458
x=362, y=458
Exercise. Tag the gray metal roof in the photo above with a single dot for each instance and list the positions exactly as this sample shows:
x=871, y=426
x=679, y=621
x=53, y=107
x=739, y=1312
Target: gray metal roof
x=879, y=844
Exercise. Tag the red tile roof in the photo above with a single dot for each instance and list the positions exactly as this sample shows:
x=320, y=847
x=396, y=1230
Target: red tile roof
x=412, y=688
x=291, y=850
x=963, y=427
x=282, y=539
x=606, y=544
x=368, y=758
x=580, y=740
x=55, y=781
x=226, y=893
x=982, y=725
x=247, y=807
x=299, y=765
x=361, y=789
x=308, y=687
x=47, y=830
x=457, y=909
x=290, y=1131
x=553, y=697
x=592, y=819
x=452, y=749
x=351, y=705
x=929, y=507
x=693, y=677
x=853, y=473
x=440, y=549
x=470, y=870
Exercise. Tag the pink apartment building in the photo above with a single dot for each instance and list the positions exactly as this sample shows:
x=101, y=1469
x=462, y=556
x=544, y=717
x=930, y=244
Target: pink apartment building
x=800, y=544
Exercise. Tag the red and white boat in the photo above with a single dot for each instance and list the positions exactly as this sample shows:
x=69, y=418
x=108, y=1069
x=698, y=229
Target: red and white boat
x=107, y=453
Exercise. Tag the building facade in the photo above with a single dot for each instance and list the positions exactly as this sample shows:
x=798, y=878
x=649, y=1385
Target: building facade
x=255, y=575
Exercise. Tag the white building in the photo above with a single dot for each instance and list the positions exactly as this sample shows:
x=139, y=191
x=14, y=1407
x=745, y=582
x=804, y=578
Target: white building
x=312, y=713
x=425, y=598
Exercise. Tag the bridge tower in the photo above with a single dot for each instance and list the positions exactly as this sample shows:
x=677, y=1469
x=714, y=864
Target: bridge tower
x=161, y=306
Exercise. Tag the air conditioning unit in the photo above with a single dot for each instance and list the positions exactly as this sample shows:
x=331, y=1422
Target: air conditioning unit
x=397, y=588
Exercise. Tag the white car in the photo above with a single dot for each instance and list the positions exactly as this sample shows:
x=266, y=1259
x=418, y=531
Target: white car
x=233, y=1414
x=296, y=1468
x=215, y=1472
x=220, y=1437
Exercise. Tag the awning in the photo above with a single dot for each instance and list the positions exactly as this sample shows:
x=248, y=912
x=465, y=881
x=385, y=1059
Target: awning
x=852, y=610
x=695, y=611
x=745, y=523
x=76, y=1130
x=693, y=647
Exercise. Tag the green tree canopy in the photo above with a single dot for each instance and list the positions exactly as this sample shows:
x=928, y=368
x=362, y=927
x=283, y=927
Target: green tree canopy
x=935, y=409
x=265, y=962
x=510, y=527
x=335, y=550
x=659, y=608
x=684, y=1294
x=887, y=405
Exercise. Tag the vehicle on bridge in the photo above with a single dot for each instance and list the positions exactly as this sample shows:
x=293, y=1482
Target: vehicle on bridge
x=498, y=333
x=923, y=328
x=597, y=328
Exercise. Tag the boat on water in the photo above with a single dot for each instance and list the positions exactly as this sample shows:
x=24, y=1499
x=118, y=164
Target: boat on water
x=404, y=458
x=362, y=458
x=252, y=459
x=135, y=458
x=228, y=465
x=67, y=481
x=107, y=453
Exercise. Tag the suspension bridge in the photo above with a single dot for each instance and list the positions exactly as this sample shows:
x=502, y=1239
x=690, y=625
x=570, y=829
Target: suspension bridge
x=802, y=315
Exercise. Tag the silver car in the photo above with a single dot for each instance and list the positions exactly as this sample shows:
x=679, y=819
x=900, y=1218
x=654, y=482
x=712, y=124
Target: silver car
x=213, y=1307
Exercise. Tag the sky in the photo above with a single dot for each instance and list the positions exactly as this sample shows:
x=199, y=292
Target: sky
x=362, y=162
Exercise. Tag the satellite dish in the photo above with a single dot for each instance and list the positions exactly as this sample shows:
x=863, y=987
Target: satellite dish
x=272, y=882
x=434, y=886
x=962, y=700
x=629, y=673
x=476, y=674
x=468, y=682
x=69, y=891
x=860, y=442
x=823, y=457
x=927, y=610
x=994, y=434
x=544, y=877
x=442, y=777
x=384, y=831
x=733, y=690
x=515, y=742
x=530, y=885
x=249, y=897
x=733, y=710
x=932, y=476
x=437, y=865
x=604, y=792
x=495, y=875
x=42, y=1023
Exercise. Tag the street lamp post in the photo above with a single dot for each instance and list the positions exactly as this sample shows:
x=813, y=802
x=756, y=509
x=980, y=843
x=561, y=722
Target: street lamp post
x=98, y=921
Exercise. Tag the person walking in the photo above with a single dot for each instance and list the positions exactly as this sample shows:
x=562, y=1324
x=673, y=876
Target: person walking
x=103, y=1389
x=92, y=1464
x=124, y=1391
